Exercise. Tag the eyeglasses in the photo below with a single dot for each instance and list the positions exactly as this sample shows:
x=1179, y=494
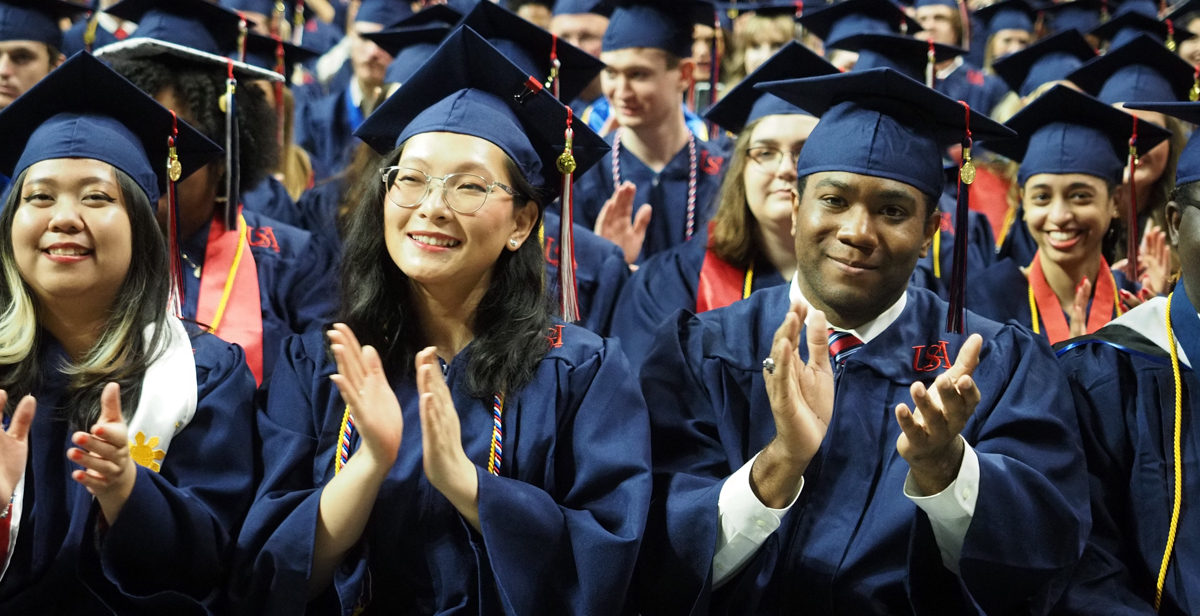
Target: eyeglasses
x=465, y=193
x=769, y=157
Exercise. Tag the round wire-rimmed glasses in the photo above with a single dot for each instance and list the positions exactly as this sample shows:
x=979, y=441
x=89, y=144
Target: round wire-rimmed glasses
x=465, y=193
x=769, y=157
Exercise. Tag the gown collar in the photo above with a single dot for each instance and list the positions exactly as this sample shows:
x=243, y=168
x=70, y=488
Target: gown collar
x=867, y=331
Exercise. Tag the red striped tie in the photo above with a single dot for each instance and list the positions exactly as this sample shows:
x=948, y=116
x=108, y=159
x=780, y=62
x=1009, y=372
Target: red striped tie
x=842, y=345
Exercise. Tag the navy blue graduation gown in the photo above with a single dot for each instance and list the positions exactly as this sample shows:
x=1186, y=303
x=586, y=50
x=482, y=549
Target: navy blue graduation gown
x=324, y=128
x=854, y=543
x=296, y=280
x=272, y=200
x=1001, y=293
x=561, y=526
x=981, y=251
x=970, y=84
x=1124, y=393
x=73, y=38
x=666, y=192
x=600, y=273
x=171, y=550
x=318, y=211
x=1018, y=243
x=664, y=285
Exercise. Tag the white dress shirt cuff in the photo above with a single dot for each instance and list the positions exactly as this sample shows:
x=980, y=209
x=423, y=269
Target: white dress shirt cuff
x=950, y=511
x=745, y=523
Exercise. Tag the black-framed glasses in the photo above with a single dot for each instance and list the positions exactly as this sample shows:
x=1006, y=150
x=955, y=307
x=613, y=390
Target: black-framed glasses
x=465, y=193
x=769, y=157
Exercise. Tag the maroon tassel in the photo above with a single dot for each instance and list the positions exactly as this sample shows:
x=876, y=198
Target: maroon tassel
x=1131, y=237
x=956, y=318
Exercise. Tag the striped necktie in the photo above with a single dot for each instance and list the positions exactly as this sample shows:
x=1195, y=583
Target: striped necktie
x=842, y=345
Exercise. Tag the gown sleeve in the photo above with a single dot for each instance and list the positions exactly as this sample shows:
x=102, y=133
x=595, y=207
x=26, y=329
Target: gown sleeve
x=640, y=310
x=572, y=550
x=178, y=528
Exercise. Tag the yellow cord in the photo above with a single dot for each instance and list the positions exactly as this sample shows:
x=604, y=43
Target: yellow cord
x=1178, y=501
x=937, y=253
x=1116, y=295
x=237, y=259
x=749, y=282
x=1010, y=217
x=337, y=453
x=1033, y=311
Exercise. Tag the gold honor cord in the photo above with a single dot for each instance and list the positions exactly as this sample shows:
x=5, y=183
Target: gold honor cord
x=1178, y=499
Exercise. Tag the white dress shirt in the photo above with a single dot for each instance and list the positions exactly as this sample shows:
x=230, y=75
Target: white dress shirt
x=745, y=522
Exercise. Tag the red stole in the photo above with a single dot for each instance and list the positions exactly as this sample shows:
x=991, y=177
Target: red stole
x=721, y=284
x=229, y=300
x=1104, y=299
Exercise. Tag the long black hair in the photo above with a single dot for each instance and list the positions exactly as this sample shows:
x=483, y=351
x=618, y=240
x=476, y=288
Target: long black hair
x=512, y=319
x=121, y=353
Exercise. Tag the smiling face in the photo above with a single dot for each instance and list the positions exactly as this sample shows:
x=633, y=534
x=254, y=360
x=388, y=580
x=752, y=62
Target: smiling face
x=643, y=86
x=858, y=238
x=1068, y=215
x=436, y=246
x=71, y=235
x=771, y=188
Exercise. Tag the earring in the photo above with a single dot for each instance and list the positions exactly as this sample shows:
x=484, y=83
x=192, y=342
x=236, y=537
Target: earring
x=512, y=243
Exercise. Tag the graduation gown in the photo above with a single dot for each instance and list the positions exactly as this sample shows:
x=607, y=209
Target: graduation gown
x=600, y=273
x=971, y=85
x=324, y=127
x=73, y=38
x=666, y=192
x=981, y=251
x=561, y=525
x=318, y=211
x=854, y=543
x=664, y=285
x=1124, y=393
x=272, y=200
x=1018, y=243
x=171, y=549
x=296, y=280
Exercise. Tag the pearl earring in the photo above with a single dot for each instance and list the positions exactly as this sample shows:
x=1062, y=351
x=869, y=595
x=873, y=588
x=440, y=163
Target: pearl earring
x=512, y=243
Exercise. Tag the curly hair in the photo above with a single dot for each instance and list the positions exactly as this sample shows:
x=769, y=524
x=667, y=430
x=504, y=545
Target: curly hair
x=199, y=90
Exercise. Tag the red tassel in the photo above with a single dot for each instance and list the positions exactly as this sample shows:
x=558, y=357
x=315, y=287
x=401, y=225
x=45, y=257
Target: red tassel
x=298, y=24
x=175, y=264
x=930, y=65
x=555, y=66
x=957, y=316
x=799, y=9
x=241, y=41
x=281, y=68
x=566, y=235
x=1131, y=238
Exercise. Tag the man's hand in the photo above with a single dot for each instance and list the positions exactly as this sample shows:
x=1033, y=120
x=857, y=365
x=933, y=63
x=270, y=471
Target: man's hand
x=617, y=224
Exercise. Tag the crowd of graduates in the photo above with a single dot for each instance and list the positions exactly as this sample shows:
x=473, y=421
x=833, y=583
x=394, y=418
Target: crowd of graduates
x=593, y=307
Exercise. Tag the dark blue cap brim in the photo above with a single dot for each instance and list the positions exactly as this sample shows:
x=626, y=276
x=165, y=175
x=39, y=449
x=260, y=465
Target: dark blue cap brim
x=35, y=20
x=736, y=109
x=262, y=52
x=394, y=40
x=823, y=21
x=1188, y=169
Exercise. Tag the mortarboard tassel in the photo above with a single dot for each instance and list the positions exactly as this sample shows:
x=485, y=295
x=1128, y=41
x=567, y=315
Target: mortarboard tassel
x=241, y=41
x=89, y=33
x=930, y=64
x=799, y=9
x=1170, y=34
x=228, y=105
x=956, y=318
x=1194, y=93
x=555, y=66
x=174, y=172
x=278, y=19
x=1131, y=236
x=298, y=22
x=566, y=236
x=1103, y=11
x=281, y=68
x=718, y=52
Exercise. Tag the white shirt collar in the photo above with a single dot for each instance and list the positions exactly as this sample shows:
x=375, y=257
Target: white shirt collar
x=949, y=70
x=867, y=331
x=356, y=93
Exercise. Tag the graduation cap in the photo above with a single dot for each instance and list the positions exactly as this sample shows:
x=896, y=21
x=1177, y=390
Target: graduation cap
x=1141, y=70
x=434, y=14
x=409, y=47
x=196, y=31
x=383, y=12
x=1147, y=8
x=910, y=57
x=273, y=54
x=580, y=7
x=883, y=124
x=657, y=24
x=1080, y=15
x=115, y=123
x=566, y=69
x=745, y=104
x=835, y=22
x=35, y=20
x=283, y=10
x=468, y=87
x=764, y=8
x=1188, y=170
x=1008, y=15
x=1066, y=131
x=1124, y=28
x=1050, y=59
x=1179, y=11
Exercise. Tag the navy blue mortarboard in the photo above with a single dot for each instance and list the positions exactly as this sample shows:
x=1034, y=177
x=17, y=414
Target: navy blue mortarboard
x=435, y=14
x=908, y=56
x=115, y=123
x=35, y=20
x=765, y=8
x=1179, y=11
x=837, y=21
x=922, y=3
x=264, y=7
x=263, y=52
x=1080, y=15
x=197, y=31
x=1008, y=15
x=1050, y=59
x=745, y=104
x=1188, y=170
x=409, y=47
x=1147, y=8
x=1142, y=70
x=1066, y=131
x=580, y=7
x=658, y=24
x=883, y=124
x=384, y=12
x=468, y=87
x=535, y=50
x=1124, y=28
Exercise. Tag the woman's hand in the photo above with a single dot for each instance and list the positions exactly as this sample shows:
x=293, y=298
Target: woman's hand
x=14, y=446
x=108, y=471
x=1079, y=311
x=446, y=464
x=1154, y=264
x=364, y=386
